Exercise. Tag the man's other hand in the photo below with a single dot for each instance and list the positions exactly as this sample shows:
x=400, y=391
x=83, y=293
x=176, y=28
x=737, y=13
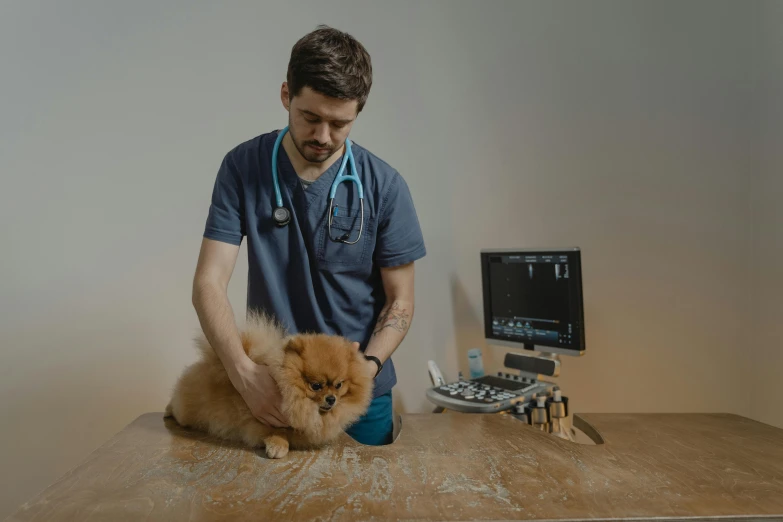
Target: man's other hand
x=261, y=394
x=370, y=367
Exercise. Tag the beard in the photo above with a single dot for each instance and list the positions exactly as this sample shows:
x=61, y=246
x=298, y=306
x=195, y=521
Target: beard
x=307, y=151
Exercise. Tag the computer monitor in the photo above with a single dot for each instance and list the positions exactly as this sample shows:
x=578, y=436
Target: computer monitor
x=533, y=299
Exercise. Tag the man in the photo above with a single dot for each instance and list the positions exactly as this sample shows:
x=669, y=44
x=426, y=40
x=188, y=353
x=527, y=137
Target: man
x=351, y=275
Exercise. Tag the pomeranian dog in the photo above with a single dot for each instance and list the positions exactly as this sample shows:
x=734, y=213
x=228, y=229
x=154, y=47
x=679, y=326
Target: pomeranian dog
x=323, y=381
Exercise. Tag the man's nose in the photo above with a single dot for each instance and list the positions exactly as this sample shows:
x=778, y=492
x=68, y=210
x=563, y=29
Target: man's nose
x=330, y=400
x=322, y=133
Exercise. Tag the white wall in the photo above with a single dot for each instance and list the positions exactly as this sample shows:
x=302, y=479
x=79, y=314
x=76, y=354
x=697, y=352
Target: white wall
x=620, y=127
x=764, y=360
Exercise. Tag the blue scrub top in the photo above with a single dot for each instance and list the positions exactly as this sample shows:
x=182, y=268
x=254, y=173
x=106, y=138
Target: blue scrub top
x=296, y=273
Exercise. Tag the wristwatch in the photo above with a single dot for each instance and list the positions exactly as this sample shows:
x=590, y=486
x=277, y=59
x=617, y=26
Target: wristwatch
x=376, y=361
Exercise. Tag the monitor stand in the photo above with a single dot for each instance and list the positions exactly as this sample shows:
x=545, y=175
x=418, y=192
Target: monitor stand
x=543, y=364
x=547, y=408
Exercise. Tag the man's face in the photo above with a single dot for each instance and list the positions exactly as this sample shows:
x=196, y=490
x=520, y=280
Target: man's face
x=318, y=124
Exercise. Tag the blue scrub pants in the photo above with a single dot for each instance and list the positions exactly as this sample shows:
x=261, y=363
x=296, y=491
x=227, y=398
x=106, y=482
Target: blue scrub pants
x=376, y=427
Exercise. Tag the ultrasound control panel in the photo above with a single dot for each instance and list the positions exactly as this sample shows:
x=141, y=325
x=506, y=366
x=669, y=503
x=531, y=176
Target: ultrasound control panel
x=485, y=394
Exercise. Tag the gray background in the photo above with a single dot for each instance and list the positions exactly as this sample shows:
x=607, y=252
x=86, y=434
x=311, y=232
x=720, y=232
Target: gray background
x=646, y=133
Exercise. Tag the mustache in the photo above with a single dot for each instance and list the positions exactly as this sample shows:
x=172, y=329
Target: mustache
x=319, y=145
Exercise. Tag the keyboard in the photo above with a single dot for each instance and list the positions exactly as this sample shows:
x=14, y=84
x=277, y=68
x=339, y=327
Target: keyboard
x=485, y=394
x=499, y=383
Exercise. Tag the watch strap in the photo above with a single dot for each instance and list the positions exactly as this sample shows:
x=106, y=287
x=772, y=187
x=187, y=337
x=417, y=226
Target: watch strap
x=376, y=361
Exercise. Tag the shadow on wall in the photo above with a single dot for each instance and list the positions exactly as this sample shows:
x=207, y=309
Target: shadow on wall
x=468, y=332
x=398, y=404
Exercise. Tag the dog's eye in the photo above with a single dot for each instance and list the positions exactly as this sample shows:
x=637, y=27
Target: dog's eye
x=338, y=385
x=315, y=386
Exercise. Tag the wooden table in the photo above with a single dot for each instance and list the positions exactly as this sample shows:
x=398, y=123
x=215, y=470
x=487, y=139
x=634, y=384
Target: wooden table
x=442, y=467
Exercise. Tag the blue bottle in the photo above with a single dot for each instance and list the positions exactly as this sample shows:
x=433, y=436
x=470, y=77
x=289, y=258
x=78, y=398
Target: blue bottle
x=475, y=363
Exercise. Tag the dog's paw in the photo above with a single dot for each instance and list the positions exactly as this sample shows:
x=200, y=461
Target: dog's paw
x=276, y=449
x=276, y=446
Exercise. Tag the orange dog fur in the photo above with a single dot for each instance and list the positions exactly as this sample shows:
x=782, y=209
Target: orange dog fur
x=308, y=368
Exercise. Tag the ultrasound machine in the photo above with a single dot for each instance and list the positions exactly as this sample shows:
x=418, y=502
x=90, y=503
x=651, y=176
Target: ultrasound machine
x=533, y=303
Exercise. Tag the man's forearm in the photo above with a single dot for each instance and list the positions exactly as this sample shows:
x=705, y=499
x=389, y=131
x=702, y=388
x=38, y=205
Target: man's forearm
x=390, y=328
x=217, y=321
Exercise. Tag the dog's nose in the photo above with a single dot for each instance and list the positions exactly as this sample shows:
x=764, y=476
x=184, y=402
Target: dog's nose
x=330, y=400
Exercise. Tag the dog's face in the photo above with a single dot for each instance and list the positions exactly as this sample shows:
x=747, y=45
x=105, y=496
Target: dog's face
x=327, y=367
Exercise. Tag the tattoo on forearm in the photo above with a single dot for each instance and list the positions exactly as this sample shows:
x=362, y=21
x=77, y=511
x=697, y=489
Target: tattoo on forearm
x=394, y=317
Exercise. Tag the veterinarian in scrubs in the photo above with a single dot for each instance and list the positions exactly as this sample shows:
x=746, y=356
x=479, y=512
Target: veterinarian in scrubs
x=351, y=275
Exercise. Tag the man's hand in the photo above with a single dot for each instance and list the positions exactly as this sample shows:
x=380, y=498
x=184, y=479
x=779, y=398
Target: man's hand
x=261, y=394
x=253, y=382
x=370, y=367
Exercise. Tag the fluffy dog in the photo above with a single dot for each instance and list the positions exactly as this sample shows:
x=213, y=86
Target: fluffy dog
x=322, y=379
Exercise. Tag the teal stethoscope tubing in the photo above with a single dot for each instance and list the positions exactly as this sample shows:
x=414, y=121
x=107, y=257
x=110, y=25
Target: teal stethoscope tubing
x=341, y=177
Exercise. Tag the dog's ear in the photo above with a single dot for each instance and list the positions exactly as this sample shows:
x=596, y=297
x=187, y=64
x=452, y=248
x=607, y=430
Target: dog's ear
x=294, y=346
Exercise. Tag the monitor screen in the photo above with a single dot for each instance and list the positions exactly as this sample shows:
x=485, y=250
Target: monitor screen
x=533, y=299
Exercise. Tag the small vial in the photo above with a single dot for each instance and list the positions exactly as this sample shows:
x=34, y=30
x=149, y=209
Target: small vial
x=475, y=363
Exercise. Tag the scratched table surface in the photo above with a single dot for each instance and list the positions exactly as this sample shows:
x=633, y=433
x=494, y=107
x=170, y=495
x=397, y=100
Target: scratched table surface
x=441, y=467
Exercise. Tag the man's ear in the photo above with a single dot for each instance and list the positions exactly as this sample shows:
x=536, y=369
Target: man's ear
x=294, y=346
x=285, y=96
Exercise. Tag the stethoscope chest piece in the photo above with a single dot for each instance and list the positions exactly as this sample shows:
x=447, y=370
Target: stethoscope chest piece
x=282, y=216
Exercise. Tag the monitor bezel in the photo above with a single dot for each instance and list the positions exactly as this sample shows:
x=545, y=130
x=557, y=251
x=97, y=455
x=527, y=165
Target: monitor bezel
x=576, y=274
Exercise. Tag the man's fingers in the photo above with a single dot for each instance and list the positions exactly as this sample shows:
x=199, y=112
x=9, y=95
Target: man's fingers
x=271, y=420
x=279, y=417
x=265, y=417
x=277, y=423
x=355, y=345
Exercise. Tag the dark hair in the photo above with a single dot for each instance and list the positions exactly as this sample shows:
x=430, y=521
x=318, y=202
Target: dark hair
x=332, y=63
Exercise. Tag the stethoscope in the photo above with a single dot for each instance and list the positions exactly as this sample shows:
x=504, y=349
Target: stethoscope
x=282, y=215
